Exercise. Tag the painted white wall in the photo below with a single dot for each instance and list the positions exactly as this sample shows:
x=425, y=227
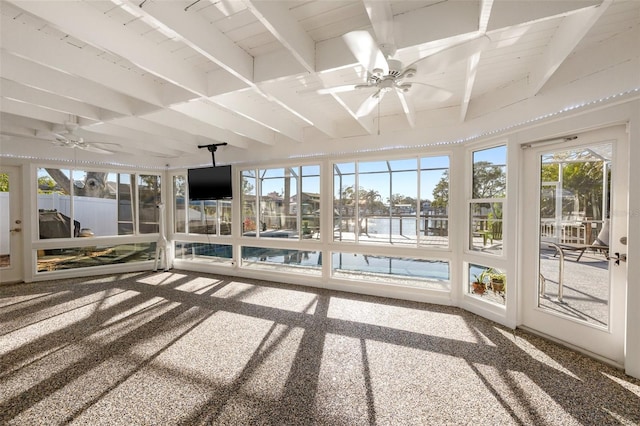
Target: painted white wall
x=632, y=364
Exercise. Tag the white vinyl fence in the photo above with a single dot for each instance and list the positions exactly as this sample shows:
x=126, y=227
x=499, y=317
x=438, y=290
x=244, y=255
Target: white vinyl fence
x=98, y=214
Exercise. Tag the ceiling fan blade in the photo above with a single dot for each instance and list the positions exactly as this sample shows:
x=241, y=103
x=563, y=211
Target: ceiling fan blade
x=94, y=149
x=366, y=51
x=407, y=107
x=336, y=89
x=441, y=60
x=381, y=17
x=435, y=92
x=60, y=141
x=60, y=136
x=345, y=88
x=369, y=104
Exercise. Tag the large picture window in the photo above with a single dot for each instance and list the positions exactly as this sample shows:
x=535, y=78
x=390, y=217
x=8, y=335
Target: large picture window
x=84, y=203
x=211, y=217
x=281, y=202
x=401, y=202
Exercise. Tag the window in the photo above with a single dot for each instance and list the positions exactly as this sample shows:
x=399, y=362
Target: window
x=281, y=202
x=148, y=200
x=88, y=256
x=211, y=217
x=488, y=194
x=248, y=201
x=125, y=204
x=203, y=251
x=490, y=284
x=278, y=259
x=84, y=203
x=179, y=201
x=432, y=274
x=397, y=202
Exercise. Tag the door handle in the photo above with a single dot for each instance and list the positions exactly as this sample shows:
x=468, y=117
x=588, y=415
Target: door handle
x=15, y=230
x=618, y=257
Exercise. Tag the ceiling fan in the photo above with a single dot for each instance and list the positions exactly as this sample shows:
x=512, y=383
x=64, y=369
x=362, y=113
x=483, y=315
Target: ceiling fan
x=68, y=138
x=386, y=74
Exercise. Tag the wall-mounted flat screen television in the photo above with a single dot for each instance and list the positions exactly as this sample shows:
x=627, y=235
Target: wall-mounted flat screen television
x=209, y=183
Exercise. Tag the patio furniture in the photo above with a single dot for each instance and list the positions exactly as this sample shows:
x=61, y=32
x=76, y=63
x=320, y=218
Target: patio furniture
x=581, y=248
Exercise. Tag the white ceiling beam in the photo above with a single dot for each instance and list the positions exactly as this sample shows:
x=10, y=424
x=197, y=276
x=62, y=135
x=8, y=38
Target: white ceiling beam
x=9, y=128
x=472, y=70
x=44, y=49
x=24, y=122
x=218, y=48
x=381, y=18
x=277, y=18
x=155, y=129
x=472, y=62
x=13, y=90
x=486, y=6
x=572, y=29
x=38, y=76
x=28, y=110
x=86, y=23
x=279, y=21
x=282, y=24
x=137, y=139
x=81, y=20
x=203, y=37
x=207, y=112
x=195, y=126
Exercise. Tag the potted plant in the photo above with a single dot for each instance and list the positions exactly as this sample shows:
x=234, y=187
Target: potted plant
x=479, y=284
x=498, y=280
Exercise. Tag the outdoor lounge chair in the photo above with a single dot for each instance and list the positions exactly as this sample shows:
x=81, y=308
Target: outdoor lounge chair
x=600, y=244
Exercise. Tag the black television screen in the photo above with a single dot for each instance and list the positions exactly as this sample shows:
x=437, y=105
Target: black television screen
x=209, y=183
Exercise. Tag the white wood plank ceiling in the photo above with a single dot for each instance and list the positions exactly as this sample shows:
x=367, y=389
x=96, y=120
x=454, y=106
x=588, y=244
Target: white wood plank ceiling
x=152, y=77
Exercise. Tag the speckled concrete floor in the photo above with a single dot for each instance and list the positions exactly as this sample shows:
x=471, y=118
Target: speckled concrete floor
x=185, y=348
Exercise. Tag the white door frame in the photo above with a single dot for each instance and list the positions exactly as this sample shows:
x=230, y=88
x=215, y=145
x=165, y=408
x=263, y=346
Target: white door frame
x=606, y=343
x=14, y=272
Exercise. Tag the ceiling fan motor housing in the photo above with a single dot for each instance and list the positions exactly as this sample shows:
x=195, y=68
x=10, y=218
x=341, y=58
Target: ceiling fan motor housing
x=395, y=67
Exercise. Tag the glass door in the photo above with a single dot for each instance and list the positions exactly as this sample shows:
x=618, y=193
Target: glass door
x=574, y=291
x=10, y=226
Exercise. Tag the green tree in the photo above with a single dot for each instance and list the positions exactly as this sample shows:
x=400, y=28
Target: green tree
x=46, y=185
x=584, y=180
x=441, y=192
x=371, y=200
x=346, y=201
x=4, y=182
x=489, y=180
x=581, y=184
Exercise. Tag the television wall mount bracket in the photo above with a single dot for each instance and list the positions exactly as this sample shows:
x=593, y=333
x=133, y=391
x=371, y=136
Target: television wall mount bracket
x=212, y=148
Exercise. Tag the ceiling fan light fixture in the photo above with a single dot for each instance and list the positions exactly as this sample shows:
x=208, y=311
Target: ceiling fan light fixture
x=404, y=87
